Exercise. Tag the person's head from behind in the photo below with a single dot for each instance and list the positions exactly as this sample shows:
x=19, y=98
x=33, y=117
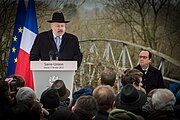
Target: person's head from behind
x=130, y=98
x=132, y=76
x=176, y=93
x=105, y=97
x=58, y=23
x=25, y=93
x=63, y=115
x=163, y=100
x=120, y=114
x=108, y=77
x=85, y=107
x=50, y=99
x=37, y=111
x=62, y=90
x=4, y=93
x=144, y=58
x=20, y=112
x=82, y=92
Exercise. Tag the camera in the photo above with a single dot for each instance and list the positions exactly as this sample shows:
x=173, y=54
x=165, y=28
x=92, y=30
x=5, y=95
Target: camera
x=13, y=85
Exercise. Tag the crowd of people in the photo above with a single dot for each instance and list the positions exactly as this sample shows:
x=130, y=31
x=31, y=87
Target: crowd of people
x=132, y=102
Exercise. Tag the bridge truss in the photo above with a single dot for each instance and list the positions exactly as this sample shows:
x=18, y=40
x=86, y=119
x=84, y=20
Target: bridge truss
x=120, y=55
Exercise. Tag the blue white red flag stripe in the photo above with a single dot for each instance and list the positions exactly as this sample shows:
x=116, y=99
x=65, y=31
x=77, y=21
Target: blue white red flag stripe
x=30, y=31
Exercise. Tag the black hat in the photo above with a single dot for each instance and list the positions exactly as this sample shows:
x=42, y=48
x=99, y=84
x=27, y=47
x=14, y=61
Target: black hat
x=130, y=98
x=58, y=17
x=50, y=98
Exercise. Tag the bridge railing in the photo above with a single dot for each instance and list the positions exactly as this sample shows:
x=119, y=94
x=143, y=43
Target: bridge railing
x=99, y=53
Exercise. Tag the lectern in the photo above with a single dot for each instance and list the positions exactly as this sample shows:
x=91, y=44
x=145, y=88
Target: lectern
x=46, y=72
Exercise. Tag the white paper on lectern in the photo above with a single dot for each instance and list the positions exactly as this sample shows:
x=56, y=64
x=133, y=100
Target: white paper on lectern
x=46, y=72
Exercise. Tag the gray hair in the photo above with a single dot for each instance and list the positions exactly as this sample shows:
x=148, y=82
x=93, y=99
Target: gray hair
x=108, y=76
x=163, y=99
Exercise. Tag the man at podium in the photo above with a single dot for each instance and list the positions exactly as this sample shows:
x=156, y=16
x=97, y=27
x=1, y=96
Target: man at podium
x=56, y=44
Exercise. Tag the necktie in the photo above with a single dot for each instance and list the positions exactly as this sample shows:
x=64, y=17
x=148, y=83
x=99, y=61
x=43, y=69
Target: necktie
x=144, y=71
x=58, y=41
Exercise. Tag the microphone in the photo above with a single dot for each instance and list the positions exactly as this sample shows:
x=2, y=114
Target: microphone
x=51, y=53
x=57, y=55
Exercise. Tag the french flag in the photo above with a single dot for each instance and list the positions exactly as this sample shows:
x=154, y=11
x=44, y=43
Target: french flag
x=30, y=30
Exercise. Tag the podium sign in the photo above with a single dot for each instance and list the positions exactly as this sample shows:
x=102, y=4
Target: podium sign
x=46, y=72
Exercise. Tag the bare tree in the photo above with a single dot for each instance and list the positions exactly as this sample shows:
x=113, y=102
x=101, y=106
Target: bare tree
x=6, y=25
x=144, y=17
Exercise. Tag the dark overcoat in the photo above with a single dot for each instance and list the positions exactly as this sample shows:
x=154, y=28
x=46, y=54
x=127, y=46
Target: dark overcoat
x=45, y=46
x=152, y=79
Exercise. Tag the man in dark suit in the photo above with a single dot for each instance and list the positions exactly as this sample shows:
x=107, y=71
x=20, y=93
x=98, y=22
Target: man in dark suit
x=56, y=44
x=152, y=77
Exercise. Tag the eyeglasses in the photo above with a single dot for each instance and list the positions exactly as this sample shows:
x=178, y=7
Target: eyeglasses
x=144, y=57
